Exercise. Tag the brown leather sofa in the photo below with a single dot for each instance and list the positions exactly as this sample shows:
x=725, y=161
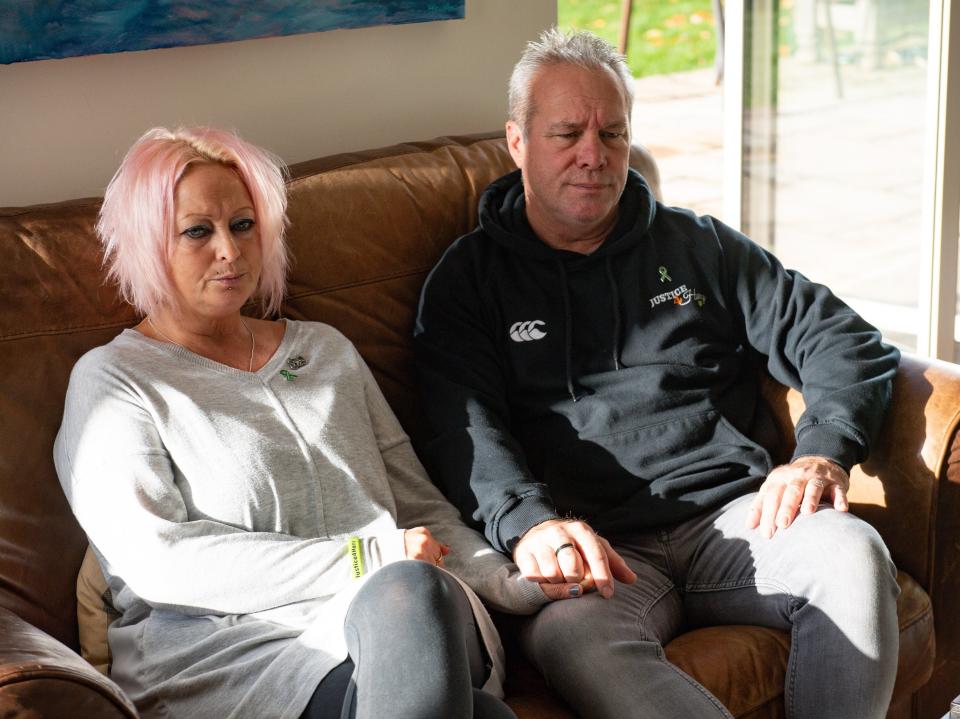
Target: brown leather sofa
x=366, y=228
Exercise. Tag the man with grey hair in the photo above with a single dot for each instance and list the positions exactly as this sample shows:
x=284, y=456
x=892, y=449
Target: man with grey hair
x=589, y=361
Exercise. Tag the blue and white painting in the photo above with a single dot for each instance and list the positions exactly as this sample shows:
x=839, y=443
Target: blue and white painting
x=43, y=29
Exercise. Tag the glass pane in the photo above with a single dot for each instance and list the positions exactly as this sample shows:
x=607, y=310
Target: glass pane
x=674, y=52
x=834, y=123
x=679, y=118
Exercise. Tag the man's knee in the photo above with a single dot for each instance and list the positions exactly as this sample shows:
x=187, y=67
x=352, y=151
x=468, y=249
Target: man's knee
x=849, y=559
x=853, y=544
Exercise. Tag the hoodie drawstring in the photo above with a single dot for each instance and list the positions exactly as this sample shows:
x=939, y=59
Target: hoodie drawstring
x=615, y=293
x=568, y=330
x=568, y=323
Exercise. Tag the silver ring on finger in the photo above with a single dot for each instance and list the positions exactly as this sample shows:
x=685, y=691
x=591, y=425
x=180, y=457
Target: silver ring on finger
x=559, y=549
x=819, y=483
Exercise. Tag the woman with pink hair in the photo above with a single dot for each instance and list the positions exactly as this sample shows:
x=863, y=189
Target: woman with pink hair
x=272, y=545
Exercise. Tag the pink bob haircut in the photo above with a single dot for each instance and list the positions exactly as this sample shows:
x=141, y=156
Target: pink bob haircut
x=136, y=224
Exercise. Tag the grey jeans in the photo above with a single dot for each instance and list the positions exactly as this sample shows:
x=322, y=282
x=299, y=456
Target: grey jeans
x=415, y=653
x=828, y=580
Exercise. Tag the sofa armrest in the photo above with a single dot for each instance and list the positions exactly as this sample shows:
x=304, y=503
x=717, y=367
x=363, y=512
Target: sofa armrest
x=42, y=678
x=909, y=490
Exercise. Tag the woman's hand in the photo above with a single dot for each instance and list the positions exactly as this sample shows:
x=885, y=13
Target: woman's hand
x=422, y=545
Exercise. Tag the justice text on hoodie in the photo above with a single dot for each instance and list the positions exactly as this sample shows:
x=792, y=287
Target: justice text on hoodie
x=622, y=387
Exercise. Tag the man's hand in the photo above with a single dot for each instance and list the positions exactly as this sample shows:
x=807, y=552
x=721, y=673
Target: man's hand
x=799, y=485
x=560, y=551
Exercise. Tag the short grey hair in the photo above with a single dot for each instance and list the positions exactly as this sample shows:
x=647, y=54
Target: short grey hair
x=554, y=47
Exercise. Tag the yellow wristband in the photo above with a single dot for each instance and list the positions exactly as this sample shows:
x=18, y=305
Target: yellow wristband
x=356, y=557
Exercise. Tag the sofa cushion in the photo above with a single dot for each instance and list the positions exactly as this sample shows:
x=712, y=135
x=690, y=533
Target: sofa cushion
x=94, y=613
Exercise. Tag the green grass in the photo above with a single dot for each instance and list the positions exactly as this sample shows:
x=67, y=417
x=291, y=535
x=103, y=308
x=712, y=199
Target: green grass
x=665, y=35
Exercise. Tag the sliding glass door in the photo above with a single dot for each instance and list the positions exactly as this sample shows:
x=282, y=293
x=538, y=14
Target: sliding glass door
x=834, y=123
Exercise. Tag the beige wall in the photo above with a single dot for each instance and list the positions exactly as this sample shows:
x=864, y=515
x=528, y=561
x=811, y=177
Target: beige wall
x=65, y=124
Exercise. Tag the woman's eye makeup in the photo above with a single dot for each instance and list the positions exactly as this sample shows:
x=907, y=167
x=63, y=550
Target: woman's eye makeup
x=196, y=232
x=199, y=232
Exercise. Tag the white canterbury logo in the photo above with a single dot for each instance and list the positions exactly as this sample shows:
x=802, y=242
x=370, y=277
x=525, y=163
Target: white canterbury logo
x=526, y=331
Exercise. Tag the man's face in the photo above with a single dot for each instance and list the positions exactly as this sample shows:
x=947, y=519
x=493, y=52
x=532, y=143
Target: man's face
x=574, y=153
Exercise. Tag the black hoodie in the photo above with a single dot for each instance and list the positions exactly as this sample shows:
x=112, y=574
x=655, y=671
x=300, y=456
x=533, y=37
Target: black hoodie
x=622, y=387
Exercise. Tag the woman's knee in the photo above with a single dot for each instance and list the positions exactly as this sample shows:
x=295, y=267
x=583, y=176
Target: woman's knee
x=413, y=578
x=413, y=588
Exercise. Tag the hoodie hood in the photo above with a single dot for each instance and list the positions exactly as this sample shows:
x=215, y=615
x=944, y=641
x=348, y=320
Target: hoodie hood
x=503, y=217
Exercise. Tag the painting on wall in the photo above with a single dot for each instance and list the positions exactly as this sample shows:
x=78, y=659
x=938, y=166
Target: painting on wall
x=45, y=29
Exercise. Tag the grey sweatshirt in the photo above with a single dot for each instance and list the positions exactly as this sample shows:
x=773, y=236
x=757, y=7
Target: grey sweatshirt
x=220, y=505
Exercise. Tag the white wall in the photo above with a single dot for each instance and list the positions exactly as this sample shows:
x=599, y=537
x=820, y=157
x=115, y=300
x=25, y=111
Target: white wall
x=65, y=124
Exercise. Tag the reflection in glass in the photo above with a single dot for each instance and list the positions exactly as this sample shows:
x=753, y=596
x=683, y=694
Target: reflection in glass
x=833, y=144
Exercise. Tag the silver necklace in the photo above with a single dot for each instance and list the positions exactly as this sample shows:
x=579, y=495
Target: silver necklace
x=253, y=341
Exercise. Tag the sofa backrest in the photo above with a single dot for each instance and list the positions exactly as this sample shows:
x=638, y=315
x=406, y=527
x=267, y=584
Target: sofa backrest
x=365, y=229
x=54, y=307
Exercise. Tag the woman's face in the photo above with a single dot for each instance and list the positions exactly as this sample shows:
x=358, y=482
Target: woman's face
x=215, y=252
